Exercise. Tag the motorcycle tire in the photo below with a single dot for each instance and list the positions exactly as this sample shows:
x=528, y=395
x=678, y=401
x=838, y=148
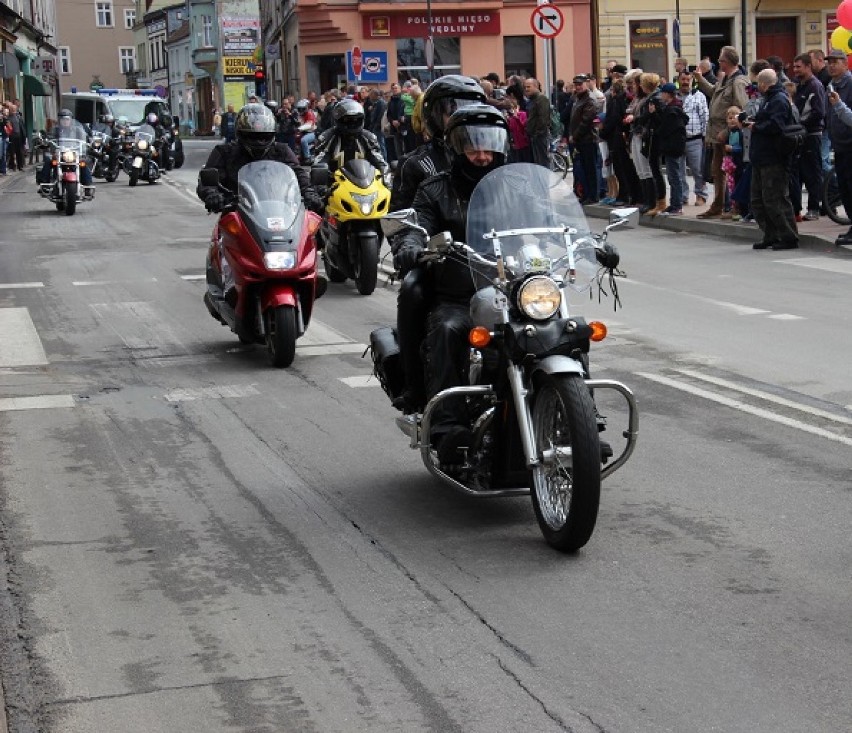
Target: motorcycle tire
x=109, y=177
x=281, y=335
x=179, y=160
x=70, y=199
x=335, y=275
x=367, y=264
x=566, y=492
x=134, y=177
x=60, y=206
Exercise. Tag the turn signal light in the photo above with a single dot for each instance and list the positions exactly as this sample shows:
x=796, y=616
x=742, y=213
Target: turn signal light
x=230, y=224
x=479, y=337
x=312, y=222
x=598, y=330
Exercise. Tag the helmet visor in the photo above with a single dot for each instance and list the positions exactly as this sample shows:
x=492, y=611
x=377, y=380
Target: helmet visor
x=472, y=139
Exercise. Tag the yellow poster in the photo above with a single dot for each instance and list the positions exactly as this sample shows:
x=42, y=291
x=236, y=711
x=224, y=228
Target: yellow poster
x=236, y=66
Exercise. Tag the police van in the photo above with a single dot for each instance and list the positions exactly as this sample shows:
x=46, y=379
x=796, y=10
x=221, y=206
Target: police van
x=134, y=104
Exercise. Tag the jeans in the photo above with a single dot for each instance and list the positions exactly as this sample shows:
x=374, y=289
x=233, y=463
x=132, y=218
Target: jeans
x=770, y=203
x=843, y=167
x=306, y=142
x=676, y=184
x=810, y=170
x=3, y=155
x=694, y=158
x=825, y=152
x=643, y=166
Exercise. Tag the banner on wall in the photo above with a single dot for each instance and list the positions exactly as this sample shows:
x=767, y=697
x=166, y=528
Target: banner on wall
x=414, y=25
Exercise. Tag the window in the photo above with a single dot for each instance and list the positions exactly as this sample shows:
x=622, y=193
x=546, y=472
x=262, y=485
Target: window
x=411, y=57
x=127, y=59
x=129, y=18
x=64, y=60
x=649, y=45
x=519, y=56
x=207, y=38
x=103, y=14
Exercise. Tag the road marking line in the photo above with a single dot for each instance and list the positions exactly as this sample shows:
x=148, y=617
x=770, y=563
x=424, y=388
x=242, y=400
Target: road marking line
x=365, y=380
x=743, y=407
x=768, y=396
x=786, y=317
x=215, y=393
x=193, y=277
x=37, y=402
x=86, y=283
x=21, y=343
x=741, y=310
x=840, y=267
x=14, y=286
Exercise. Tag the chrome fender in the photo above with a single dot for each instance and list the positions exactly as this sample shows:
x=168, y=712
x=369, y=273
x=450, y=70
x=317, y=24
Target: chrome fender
x=558, y=365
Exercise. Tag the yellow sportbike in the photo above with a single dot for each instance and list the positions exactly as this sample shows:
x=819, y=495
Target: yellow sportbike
x=350, y=231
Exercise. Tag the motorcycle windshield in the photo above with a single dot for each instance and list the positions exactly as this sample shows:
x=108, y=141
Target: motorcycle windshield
x=268, y=195
x=360, y=171
x=523, y=196
x=146, y=132
x=74, y=133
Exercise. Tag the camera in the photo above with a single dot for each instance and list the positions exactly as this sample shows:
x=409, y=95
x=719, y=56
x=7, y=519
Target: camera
x=743, y=117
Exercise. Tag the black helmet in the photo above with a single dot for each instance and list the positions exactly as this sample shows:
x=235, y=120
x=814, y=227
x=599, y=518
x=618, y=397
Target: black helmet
x=444, y=96
x=255, y=129
x=107, y=118
x=348, y=117
x=475, y=128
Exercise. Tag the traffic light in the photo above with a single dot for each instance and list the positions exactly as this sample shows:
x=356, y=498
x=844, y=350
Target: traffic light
x=260, y=83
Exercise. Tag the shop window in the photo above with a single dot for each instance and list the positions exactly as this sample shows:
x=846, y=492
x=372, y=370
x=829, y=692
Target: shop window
x=411, y=58
x=649, y=45
x=519, y=56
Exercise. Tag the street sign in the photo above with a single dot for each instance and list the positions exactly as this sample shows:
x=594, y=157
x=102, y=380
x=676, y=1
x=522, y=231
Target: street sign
x=357, y=62
x=374, y=67
x=547, y=21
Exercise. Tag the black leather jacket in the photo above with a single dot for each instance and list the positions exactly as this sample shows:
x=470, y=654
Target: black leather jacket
x=425, y=162
x=228, y=158
x=335, y=149
x=440, y=208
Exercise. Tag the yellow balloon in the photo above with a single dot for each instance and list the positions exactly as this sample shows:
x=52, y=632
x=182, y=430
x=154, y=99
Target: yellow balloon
x=840, y=37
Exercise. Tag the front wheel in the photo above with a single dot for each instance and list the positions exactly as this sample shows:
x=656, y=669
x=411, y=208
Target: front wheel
x=70, y=198
x=281, y=335
x=134, y=177
x=831, y=200
x=367, y=263
x=566, y=484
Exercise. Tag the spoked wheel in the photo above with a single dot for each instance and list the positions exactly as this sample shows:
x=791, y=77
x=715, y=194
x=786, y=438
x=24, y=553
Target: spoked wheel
x=559, y=163
x=831, y=200
x=70, y=199
x=281, y=335
x=367, y=264
x=567, y=482
x=335, y=275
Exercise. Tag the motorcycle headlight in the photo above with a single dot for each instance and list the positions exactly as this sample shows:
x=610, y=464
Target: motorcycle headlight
x=96, y=143
x=143, y=144
x=279, y=260
x=365, y=202
x=539, y=298
x=69, y=156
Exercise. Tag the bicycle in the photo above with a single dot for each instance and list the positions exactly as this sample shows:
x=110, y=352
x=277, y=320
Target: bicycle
x=560, y=162
x=831, y=200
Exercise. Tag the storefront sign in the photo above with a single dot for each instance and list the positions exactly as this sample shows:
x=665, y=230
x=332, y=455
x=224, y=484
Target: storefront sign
x=469, y=23
x=240, y=36
x=238, y=66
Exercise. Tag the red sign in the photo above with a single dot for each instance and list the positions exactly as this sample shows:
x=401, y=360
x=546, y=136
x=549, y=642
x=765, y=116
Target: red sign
x=547, y=21
x=357, y=61
x=468, y=23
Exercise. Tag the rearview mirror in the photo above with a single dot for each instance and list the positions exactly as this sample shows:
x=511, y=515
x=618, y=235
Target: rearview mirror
x=209, y=177
x=400, y=221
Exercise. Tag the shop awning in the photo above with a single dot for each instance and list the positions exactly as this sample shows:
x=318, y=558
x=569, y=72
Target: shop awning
x=36, y=87
x=10, y=67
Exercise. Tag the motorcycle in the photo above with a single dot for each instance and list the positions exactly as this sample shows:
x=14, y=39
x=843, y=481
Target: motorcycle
x=534, y=423
x=176, y=154
x=67, y=157
x=99, y=152
x=141, y=164
x=351, y=232
x=262, y=263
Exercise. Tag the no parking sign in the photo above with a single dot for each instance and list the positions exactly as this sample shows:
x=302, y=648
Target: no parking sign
x=374, y=67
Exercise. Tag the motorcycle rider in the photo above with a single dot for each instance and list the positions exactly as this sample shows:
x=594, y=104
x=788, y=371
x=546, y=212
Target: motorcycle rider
x=161, y=139
x=66, y=128
x=476, y=139
x=348, y=139
x=106, y=125
x=255, y=140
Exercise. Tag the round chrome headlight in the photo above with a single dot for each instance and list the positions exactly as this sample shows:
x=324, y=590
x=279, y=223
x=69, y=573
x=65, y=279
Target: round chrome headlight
x=539, y=298
x=143, y=144
x=69, y=156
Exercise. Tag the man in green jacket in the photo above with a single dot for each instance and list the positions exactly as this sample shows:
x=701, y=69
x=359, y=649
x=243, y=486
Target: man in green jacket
x=538, y=122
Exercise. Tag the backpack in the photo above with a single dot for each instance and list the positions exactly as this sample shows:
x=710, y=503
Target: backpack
x=556, y=127
x=792, y=136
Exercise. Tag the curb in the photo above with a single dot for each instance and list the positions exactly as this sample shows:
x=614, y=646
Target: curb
x=720, y=228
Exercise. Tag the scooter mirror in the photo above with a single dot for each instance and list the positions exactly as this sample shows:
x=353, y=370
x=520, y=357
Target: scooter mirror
x=398, y=221
x=208, y=177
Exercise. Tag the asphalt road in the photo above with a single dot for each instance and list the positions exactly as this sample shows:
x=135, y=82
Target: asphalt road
x=195, y=541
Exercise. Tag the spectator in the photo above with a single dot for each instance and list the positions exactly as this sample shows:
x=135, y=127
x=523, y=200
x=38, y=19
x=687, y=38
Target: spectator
x=4, y=136
x=515, y=88
x=729, y=91
x=581, y=134
x=777, y=64
x=612, y=132
x=671, y=132
x=742, y=191
x=636, y=119
x=374, y=111
x=596, y=94
x=397, y=118
x=229, y=124
x=841, y=133
x=287, y=123
x=538, y=123
x=819, y=66
x=520, y=144
x=681, y=64
x=650, y=146
x=770, y=186
x=695, y=106
x=811, y=103
x=504, y=104
x=16, y=135
x=609, y=79
x=732, y=163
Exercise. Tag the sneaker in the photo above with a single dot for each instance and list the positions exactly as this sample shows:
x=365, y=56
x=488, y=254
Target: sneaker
x=736, y=217
x=671, y=211
x=811, y=216
x=748, y=219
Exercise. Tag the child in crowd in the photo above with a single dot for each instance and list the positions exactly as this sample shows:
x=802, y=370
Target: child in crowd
x=732, y=163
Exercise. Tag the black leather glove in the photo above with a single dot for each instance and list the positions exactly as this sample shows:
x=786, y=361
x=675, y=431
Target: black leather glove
x=215, y=201
x=405, y=258
x=608, y=256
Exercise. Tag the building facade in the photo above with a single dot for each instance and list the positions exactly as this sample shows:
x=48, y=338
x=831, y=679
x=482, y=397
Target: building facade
x=28, y=59
x=315, y=40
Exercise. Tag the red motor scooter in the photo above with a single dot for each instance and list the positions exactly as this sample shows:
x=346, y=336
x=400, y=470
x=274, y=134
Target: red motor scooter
x=262, y=262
